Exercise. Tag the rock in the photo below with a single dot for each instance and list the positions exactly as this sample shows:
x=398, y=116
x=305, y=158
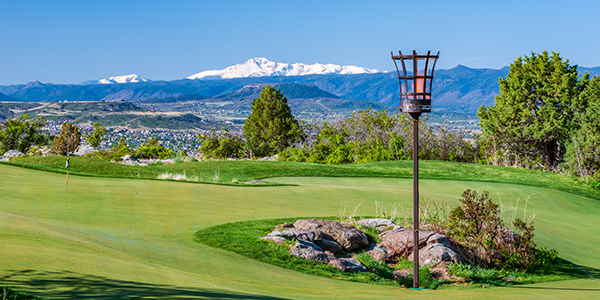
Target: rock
x=379, y=224
x=84, y=149
x=437, y=238
x=404, y=274
x=308, y=250
x=13, y=153
x=399, y=243
x=378, y=252
x=284, y=226
x=348, y=265
x=347, y=236
x=434, y=254
x=129, y=158
x=3, y=158
x=254, y=182
x=328, y=245
x=276, y=239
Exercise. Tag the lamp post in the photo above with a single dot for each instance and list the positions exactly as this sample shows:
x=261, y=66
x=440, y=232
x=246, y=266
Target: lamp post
x=415, y=99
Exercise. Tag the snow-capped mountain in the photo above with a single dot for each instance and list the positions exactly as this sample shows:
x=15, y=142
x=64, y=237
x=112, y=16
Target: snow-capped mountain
x=118, y=79
x=260, y=67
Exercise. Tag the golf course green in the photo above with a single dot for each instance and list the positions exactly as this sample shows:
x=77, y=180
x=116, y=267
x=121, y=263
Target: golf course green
x=116, y=238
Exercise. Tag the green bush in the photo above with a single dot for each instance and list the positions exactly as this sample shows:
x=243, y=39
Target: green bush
x=486, y=242
x=221, y=145
x=152, y=150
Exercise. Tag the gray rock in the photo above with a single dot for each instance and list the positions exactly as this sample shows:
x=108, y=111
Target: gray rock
x=13, y=153
x=347, y=236
x=308, y=250
x=437, y=238
x=378, y=252
x=379, y=224
x=434, y=254
x=84, y=149
x=328, y=245
x=3, y=158
x=348, y=265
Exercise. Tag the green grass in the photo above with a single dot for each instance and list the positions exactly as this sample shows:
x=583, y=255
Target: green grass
x=243, y=171
x=116, y=238
x=243, y=238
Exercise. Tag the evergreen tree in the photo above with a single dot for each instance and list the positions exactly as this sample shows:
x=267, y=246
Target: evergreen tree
x=271, y=127
x=583, y=154
x=96, y=137
x=68, y=140
x=532, y=115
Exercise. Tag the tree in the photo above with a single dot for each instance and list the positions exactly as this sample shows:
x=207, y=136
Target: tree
x=271, y=127
x=583, y=154
x=21, y=133
x=152, y=149
x=68, y=140
x=532, y=116
x=96, y=137
x=220, y=146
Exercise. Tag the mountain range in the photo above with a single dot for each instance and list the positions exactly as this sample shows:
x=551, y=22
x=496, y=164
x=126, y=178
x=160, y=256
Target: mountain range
x=459, y=89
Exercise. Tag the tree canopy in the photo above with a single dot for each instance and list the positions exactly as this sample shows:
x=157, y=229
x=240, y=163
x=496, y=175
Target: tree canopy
x=21, y=133
x=67, y=141
x=533, y=114
x=271, y=127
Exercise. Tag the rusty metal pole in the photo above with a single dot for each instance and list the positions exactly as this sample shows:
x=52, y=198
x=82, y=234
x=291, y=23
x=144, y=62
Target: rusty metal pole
x=415, y=199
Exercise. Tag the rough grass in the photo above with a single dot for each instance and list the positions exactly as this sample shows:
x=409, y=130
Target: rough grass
x=110, y=238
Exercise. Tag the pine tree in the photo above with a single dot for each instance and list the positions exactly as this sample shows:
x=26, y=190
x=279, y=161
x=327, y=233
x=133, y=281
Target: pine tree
x=271, y=127
x=68, y=140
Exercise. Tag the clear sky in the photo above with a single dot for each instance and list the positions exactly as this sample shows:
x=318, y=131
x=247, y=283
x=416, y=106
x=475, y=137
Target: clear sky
x=73, y=41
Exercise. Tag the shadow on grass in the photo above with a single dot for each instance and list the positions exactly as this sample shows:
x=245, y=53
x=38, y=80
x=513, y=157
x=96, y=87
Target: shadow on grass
x=71, y=285
x=567, y=268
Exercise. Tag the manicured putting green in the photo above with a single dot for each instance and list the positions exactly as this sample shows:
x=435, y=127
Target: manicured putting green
x=106, y=238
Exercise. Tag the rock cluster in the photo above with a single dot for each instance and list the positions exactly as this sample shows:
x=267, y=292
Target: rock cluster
x=321, y=240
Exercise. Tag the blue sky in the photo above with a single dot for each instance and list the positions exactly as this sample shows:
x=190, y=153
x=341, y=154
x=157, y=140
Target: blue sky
x=74, y=41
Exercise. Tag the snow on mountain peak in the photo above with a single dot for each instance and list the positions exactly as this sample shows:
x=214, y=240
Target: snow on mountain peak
x=117, y=79
x=123, y=79
x=260, y=67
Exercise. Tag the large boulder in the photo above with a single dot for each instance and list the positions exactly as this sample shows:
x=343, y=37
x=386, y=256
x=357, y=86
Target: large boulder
x=399, y=242
x=328, y=245
x=379, y=252
x=434, y=254
x=13, y=153
x=349, y=265
x=84, y=149
x=310, y=251
x=347, y=236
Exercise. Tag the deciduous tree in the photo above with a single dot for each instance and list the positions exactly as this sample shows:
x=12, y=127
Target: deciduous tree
x=21, y=133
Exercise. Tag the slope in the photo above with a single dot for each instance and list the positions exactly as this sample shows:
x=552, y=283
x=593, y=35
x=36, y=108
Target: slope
x=106, y=238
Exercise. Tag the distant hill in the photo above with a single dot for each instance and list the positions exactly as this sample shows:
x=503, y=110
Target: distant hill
x=460, y=89
x=6, y=98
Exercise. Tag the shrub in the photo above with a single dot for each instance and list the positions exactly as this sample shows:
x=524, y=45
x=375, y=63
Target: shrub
x=484, y=240
x=152, y=149
x=221, y=145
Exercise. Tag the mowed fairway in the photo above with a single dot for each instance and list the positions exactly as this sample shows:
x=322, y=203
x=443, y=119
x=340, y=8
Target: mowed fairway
x=102, y=238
